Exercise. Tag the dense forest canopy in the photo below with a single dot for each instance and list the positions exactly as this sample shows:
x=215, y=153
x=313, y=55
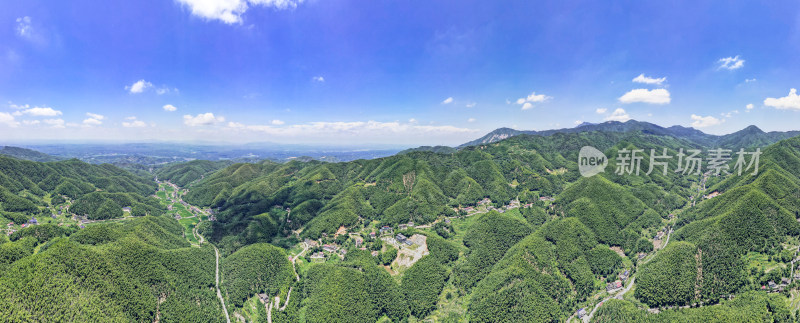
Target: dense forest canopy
x=486, y=233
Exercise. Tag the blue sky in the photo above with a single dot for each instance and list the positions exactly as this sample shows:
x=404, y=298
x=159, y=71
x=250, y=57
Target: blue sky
x=398, y=72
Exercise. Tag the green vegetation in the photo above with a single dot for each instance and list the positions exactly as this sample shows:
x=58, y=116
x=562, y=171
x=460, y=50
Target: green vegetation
x=99, y=191
x=183, y=174
x=356, y=290
x=747, y=307
x=499, y=248
x=257, y=268
x=542, y=277
x=126, y=272
x=487, y=240
x=422, y=284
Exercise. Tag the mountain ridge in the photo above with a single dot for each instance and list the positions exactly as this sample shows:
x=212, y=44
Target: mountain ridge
x=748, y=137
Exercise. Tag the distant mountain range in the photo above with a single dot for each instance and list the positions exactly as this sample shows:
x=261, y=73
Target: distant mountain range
x=751, y=136
x=27, y=154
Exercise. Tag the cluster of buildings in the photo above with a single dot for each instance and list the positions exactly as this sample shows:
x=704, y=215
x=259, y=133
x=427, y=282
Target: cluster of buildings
x=408, y=225
x=403, y=239
x=389, y=230
x=489, y=207
x=773, y=287
x=614, y=286
x=320, y=256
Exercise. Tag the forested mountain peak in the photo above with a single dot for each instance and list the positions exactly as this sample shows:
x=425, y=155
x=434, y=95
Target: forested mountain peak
x=749, y=137
x=27, y=154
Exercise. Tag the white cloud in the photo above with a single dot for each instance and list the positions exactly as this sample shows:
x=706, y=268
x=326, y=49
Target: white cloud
x=18, y=107
x=471, y=120
x=471, y=105
x=448, y=100
x=577, y=122
x=707, y=121
x=277, y=122
x=655, y=96
x=750, y=80
x=203, y=119
x=134, y=123
x=169, y=107
x=648, y=80
x=730, y=63
x=31, y=122
x=95, y=116
x=729, y=114
x=318, y=79
x=55, y=123
x=791, y=101
x=139, y=86
x=527, y=102
x=38, y=112
x=24, y=27
x=165, y=90
x=93, y=120
x=601, y=110
x=230, y=11
x=749, y=106
x=533, y=97
x=8, y=120
x=619, y=115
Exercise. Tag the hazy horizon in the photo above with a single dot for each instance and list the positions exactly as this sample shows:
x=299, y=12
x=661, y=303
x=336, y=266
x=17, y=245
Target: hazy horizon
x=300, y=145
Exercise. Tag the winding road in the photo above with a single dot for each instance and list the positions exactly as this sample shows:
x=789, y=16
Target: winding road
x=588, y=318
x=219, y=294
x=202, y=240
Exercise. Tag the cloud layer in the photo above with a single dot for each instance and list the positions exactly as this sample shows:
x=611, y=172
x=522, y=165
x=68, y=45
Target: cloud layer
x=790, y=102
x=730, y=63
x=618, y=115
x=655, y=96
x=648, y=80
x=527, y=102
x=230, y=11
x=203, y=119
x=707, y=121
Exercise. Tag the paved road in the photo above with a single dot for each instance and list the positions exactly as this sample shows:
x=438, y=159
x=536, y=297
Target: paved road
x=219, y=294
x=588, y=318
x=216, y=273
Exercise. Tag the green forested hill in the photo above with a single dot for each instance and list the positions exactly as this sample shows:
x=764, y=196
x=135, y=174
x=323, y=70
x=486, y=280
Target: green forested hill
x=182, y=174
x=543, y=276
x=749, y=137
x=546, y=243
x=419, y=186
x=27, y=154
x=98, y=191
x=136, y=271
